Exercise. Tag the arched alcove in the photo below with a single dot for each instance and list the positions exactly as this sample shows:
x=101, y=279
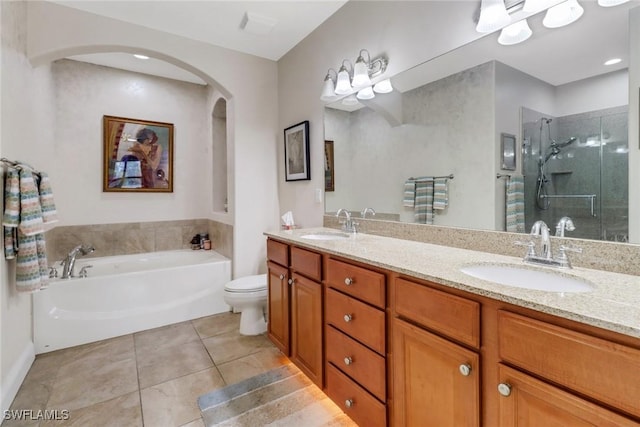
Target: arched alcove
x=219, y=154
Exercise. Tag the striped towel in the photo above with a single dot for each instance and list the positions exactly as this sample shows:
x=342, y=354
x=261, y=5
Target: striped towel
x=11, y=217
x=409, y=197
x=514, y=214
x=424, y=202
x=440, y=193
x=30, y=210
x=49, y=212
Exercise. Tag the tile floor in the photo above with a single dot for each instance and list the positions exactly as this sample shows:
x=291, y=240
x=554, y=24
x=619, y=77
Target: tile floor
x=151, y=378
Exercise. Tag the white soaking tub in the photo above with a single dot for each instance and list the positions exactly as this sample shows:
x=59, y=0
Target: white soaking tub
x=129, y=293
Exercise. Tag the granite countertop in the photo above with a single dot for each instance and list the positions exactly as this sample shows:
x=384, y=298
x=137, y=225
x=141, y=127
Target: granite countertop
x=614, y=304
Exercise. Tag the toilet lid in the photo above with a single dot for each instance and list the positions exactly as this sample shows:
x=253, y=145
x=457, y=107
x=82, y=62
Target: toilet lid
x=247, y=284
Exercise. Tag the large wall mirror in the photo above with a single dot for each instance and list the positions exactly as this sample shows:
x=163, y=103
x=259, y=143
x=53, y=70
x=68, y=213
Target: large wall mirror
x=567, y=110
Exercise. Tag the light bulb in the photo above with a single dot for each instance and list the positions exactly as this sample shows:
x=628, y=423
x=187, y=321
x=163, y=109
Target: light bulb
x=361, y=73
x=563, y=14
x=343, y=85
x=366, y=93
x=328, y=90
x=383, y=87
x=493, y=16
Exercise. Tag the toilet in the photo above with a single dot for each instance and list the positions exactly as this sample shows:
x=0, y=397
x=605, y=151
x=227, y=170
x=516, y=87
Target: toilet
x=248, y=295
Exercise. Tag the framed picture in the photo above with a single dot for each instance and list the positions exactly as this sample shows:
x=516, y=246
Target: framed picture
x=138, y=155
x=329, y=178
x=508, y=143
x=296, y=152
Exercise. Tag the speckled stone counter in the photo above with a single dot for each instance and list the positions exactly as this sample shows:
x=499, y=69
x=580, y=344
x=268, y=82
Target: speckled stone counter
x=614, y=304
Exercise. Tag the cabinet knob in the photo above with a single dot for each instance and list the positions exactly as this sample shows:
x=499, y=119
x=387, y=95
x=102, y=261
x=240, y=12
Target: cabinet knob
x=347, y=318
x=291, y=281
x=348, y=360
x=282, y=277
x=348, y=281
x=504, y=389
x=349, y=403
x=465, y=369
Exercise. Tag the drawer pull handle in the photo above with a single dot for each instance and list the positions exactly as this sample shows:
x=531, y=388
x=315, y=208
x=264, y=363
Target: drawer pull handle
x=504, y=389
x=349, y=403
x=348, y=318
x=348, y=281
x=282, y=277
x=465, y=369
x=348, y=360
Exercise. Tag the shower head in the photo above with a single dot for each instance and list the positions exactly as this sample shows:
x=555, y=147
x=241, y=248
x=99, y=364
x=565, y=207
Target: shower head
x=546, y=120
x=563, y=144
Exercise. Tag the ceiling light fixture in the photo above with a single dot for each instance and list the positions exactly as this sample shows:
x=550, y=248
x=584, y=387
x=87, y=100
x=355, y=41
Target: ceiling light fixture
x=493, y=16
x=357, y=78
x=563, y=14
x=515, y=33
x=613, y=61
x=139, y=56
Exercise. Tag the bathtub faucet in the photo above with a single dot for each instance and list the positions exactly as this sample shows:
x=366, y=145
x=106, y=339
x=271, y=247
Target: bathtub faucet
x=70, y=260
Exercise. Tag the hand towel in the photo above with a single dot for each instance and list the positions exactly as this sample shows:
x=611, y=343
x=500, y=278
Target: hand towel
x=49, y=212
x=440, y=193
x=424, y=202
x=31, y=269
x=30, y=210
x=11, y=217
x=409, y=195
x=514, y=201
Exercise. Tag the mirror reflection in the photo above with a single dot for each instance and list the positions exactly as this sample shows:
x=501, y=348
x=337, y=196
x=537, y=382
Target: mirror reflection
x=567, y=110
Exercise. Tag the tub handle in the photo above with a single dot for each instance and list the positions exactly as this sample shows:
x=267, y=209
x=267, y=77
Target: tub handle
x=83, y=271
x=53, y=272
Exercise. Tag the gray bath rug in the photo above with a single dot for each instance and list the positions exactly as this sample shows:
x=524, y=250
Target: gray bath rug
x=280, y=397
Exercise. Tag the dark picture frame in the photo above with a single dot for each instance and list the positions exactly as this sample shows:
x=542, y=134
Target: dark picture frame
x=329, y=177
x=508, y=156
x=138, y=155
x=296, y=152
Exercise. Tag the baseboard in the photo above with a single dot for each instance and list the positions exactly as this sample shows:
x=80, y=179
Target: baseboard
x=16, y=375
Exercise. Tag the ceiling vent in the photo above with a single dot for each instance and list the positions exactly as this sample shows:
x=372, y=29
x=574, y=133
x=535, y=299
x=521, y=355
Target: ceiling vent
x=257, y=24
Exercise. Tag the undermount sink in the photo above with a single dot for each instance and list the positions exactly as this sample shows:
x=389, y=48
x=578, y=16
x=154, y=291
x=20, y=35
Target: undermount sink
x=528, y=278
x=325, y=235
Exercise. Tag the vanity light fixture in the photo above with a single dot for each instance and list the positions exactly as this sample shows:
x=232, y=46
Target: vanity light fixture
x=355, y=78
x=515, y=33
x=383, y=86
x=139, y=56
x=563, y=14
x=493, y=16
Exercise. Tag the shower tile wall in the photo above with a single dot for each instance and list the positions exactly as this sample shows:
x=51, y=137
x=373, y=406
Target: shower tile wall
x=597, y=163
x=137, y=237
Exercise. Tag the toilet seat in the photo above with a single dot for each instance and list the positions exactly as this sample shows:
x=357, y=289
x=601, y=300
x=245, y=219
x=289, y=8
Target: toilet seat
x=247, y=284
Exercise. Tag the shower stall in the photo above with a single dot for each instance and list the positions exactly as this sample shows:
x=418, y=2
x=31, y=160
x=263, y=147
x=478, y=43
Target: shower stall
x=577, y=166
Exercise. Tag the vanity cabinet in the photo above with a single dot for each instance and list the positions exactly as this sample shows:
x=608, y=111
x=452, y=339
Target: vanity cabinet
x=295, y=306
x=355, y=350
x=436, y=372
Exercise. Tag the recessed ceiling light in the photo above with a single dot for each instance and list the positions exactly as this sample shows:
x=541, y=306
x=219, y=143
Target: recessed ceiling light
x=137, y=55
x=613, y=61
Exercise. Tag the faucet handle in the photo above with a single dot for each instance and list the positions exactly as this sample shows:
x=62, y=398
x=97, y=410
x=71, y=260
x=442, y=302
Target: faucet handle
x=562, y=256
x=53, y=272
x=83, y=271
x=530, y=245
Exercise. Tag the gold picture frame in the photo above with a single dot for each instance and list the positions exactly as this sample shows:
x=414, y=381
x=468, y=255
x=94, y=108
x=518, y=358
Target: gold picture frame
x=138, y=155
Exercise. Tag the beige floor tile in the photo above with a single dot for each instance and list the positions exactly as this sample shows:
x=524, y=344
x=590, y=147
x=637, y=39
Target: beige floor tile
x=196, y=423
x=230, y=346
x=87, y=388
x=178, y=333
x=174, y=403
x=123, y=411
x=217, y=324
x=251, y=365
x=87, y=357
x=169, y=362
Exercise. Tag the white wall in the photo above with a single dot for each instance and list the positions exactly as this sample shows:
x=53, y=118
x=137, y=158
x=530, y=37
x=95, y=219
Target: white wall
x=634, y=124
x=592, y=94
x=408, y=33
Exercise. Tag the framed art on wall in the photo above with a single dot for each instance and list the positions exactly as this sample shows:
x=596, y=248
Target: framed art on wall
x=138, y=155
x=329, y=175
x=296, y=152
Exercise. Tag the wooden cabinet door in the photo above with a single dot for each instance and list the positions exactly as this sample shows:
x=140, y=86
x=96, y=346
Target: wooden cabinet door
x=429, y=386
x=306, y=327
x=278, y=307
x=528, y=402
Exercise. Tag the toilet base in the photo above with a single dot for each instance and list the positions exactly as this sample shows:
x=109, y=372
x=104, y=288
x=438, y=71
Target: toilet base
x=252, y=321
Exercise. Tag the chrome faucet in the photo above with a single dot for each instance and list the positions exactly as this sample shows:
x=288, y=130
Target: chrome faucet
x=565, y=223
x=364, y=212
x=348, y=224
x=541, y=229
x=70, y=260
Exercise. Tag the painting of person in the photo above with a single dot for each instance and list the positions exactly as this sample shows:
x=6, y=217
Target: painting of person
x=149, y=152
x=295, y=152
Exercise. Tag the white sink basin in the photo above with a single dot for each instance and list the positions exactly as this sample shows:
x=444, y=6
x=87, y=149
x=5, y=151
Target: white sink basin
x=325, y=235
x=528, y=278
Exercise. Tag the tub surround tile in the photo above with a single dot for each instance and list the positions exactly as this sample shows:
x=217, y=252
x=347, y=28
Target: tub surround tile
x=174, y=403
x=136, y=241
x=251, y=365
x=217, y=324
x=226, y=347
x=125, y=410
x=167, y=237
x=103, y=383
x=165, y=336
x=169, y=362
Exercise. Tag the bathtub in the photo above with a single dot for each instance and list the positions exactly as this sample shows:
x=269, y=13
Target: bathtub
x=129, y=293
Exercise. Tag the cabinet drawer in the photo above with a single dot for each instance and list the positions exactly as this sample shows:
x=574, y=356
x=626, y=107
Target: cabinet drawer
x=357, y=361
x=359, y=405
x=307, y=263
x=453, y=316
x=594, y=367
x=363, y=284
x=278, y=252
x=357, y=319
